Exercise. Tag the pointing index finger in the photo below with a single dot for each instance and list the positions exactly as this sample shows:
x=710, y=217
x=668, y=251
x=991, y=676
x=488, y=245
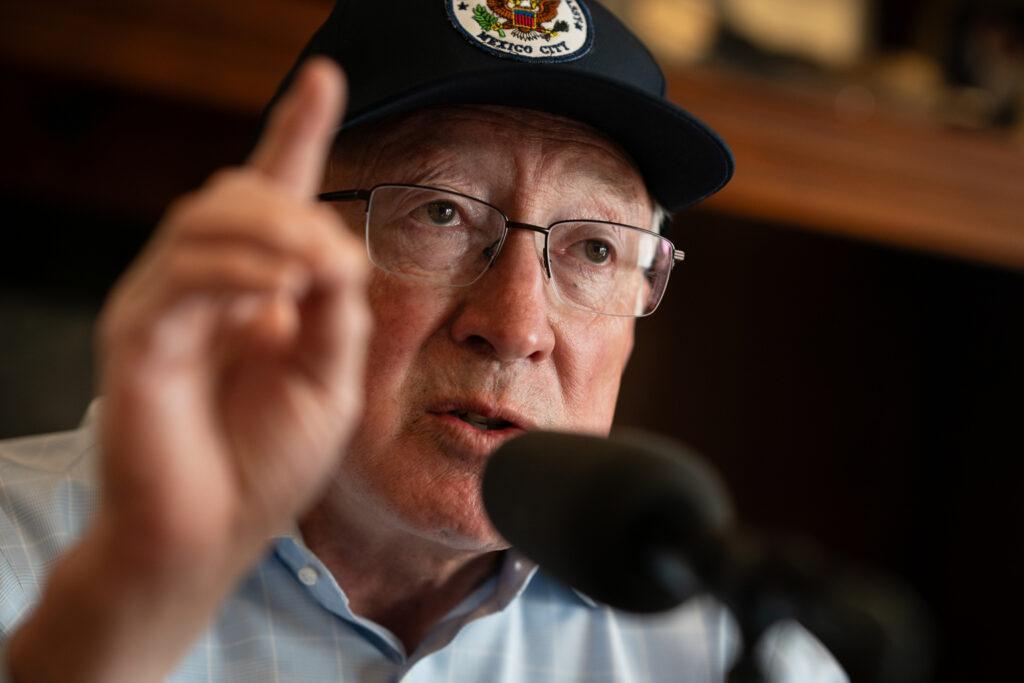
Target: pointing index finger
x=294, y=147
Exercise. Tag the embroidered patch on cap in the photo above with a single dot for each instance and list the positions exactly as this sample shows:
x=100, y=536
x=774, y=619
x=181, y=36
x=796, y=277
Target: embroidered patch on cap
x=527, y=30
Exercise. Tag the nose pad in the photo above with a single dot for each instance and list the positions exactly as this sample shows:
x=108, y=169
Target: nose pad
x=492, y=250
x=507, y=312
x=539, y=240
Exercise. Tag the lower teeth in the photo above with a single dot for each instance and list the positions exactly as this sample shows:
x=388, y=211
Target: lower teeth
x=481, y=425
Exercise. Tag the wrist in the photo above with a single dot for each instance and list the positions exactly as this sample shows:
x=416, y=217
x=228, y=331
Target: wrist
x=163, y=557
x=118, y=612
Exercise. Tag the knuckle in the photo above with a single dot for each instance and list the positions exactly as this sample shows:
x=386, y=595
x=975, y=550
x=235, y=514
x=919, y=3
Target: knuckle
x=274, y=227
x=278, y=219
x=227, y=177
x=232, y=266
x=179, y=269
x=248, y=268
x=222, y=194
x=192, y=215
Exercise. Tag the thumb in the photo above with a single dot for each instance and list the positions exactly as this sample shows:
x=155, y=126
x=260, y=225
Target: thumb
x=294, y=147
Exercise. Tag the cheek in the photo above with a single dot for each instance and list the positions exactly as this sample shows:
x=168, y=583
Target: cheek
x=397, y=320
x=594, y=358
x=405, y=315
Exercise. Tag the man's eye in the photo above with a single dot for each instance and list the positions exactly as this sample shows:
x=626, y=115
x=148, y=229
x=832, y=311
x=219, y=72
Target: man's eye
x=438, y=213
x=596, y=251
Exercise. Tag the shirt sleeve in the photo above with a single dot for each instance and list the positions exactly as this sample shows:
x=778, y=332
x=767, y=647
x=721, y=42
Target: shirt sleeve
x=11, y=595
x=12, y=601
x=39, y=498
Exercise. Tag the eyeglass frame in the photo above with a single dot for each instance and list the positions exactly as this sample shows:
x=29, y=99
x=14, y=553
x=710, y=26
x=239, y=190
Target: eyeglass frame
x=366, y=195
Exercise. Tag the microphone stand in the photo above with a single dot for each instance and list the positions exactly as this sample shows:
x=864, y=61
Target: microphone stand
x=679, y=573
x=876, y=629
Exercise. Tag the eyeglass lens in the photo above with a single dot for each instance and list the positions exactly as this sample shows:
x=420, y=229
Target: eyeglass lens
x=443, y=237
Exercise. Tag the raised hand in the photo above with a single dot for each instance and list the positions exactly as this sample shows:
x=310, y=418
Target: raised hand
x=232, y=358
x=232, y=352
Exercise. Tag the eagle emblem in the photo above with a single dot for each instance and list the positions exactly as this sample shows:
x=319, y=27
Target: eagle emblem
x=524, y=18
x=525, y=30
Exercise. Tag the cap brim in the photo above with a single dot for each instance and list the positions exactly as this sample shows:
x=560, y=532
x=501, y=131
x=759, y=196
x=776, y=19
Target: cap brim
x=681, y=159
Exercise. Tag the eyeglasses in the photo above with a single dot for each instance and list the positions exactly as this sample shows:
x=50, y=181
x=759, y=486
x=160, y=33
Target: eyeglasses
x=443, y=237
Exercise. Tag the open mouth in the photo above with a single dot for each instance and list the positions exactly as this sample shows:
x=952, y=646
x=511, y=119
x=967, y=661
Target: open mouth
x=480, y=422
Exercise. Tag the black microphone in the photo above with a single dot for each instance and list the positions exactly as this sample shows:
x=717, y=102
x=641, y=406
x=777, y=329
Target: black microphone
x=626, y=520
x=640, y=523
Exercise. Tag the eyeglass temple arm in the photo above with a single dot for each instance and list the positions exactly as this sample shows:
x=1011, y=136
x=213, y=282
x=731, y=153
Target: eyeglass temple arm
x=344, y=196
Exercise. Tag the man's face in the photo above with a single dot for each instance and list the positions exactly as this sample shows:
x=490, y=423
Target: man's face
x=503, y=348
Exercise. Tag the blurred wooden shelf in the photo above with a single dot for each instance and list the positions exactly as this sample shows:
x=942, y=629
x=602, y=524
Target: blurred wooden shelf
x=220, y=52
x=886, y=178
x=889, y=177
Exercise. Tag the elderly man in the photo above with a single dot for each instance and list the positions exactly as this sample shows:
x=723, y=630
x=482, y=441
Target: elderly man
x=300, y=395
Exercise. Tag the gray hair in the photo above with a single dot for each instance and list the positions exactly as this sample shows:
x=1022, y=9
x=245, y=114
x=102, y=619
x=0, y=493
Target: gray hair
x=661, y=217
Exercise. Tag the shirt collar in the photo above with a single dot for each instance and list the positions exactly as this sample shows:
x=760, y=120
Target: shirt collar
x=516, y=574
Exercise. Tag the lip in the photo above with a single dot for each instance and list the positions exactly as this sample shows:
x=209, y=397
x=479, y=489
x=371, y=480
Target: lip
x=485, y=409
x=470, y=441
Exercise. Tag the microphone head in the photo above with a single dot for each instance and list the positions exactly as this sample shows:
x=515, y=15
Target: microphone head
x=608, y=516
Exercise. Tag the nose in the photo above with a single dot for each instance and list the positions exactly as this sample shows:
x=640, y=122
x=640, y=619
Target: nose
x=506, y=312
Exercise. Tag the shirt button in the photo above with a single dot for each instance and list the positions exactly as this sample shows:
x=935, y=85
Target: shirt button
x=308, y=576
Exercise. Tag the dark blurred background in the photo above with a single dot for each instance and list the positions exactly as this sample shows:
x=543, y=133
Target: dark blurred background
x=844, y=340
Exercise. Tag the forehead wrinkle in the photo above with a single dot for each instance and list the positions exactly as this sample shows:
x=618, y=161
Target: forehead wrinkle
x=561, y=149
x=432, y=165
x=603, y=195
x=407, y=154
x=571, y=145
x=539, y=126
x=547, y=146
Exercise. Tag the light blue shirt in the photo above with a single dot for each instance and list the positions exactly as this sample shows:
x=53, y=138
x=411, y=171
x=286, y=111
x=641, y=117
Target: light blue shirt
x=288, y=620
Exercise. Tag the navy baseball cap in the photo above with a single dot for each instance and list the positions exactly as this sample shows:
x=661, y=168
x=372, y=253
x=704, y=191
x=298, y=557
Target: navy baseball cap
x=567, y=57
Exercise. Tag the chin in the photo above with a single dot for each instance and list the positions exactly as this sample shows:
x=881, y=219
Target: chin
x=457, y=520
x=439, y=504
x=468, y=539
